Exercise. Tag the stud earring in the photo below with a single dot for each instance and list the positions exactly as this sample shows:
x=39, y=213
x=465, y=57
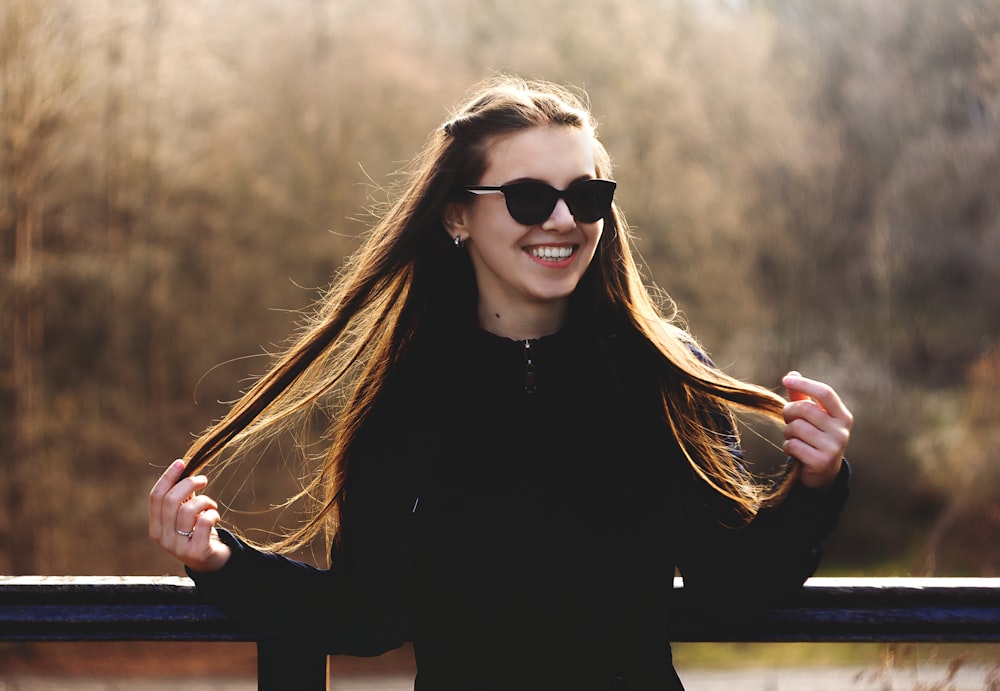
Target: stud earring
x=458, y=241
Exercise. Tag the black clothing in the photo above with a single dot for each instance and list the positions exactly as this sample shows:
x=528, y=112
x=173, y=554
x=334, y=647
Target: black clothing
x=517, y=510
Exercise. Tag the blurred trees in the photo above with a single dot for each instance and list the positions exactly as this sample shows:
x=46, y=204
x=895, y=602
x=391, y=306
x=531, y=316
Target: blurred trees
x=966, y=449
x=37, y=68
x=813, y=181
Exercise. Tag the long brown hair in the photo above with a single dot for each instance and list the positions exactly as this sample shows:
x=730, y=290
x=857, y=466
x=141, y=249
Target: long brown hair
x=363, y=324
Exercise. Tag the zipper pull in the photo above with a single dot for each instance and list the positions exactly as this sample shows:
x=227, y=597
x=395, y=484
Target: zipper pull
x=529, y=368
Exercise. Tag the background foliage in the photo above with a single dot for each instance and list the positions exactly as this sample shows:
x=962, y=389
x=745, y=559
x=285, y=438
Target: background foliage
x=814, y=182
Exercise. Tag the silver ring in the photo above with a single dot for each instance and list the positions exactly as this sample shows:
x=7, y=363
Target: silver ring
x=186, y=534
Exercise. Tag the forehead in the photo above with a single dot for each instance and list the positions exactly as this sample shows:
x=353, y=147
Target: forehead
x=557, y=155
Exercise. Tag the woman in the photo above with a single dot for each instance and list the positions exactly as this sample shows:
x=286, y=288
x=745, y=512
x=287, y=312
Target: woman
x=528, y=447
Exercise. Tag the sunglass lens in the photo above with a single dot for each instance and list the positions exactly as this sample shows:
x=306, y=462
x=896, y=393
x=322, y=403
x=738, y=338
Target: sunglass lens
x=530, y=203
x=590, y=200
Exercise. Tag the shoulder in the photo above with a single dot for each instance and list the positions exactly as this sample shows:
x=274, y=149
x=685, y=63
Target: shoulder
x=655, y=352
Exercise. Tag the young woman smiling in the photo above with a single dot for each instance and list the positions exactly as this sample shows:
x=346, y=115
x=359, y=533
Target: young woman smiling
x=526, y=273
x=522, y=447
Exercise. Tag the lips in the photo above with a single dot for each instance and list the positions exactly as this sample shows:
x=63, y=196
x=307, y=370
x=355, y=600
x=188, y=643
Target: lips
x=551, y=253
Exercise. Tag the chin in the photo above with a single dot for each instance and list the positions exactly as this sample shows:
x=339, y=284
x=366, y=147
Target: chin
x=555, y=293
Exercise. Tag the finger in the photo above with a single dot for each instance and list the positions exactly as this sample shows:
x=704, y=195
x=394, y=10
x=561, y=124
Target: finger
x=811, y=444
x=192, y=541
x=183, y=491
x=810, y=412
x=794, y=394
x=808, y=440
x=802, y=388
x=190, y=511
x=156, y=495
x=819, y=468
x=820, y=450
x=820, y=393
x=802, y=451
x=811, y=423
x=205, y=551
x=204, y=546
x=205, y=526
x=818, y=473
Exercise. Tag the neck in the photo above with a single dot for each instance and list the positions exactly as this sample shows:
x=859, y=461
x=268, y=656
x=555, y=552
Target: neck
x=524, y=324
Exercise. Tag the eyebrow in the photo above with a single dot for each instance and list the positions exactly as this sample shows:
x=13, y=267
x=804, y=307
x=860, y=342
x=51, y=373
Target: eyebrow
x=585, y=176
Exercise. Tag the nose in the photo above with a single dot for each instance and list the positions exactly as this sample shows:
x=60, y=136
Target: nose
x=560, y=220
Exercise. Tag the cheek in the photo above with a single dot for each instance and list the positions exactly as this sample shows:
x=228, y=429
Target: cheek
x=600, y=243
x=595, y=233
x=494, y=226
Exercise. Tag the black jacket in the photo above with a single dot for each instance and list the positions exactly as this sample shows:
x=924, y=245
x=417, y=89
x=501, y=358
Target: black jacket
x=518, y=511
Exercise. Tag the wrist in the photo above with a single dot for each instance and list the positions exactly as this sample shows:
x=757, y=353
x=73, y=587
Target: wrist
x=220, y=556
x=815, y=480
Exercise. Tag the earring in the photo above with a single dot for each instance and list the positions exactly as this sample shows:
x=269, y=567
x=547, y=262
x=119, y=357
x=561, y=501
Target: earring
x=458, y=241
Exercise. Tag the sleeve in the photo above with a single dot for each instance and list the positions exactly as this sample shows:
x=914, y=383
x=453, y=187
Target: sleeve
x=736, y=572
x=333, y=611
x=361, y=605
x=732, y=573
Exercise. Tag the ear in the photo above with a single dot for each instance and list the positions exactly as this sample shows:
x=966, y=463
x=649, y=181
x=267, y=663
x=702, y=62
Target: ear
x=455, y=219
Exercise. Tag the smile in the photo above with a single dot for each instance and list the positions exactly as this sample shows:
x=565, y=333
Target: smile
x=552, y=253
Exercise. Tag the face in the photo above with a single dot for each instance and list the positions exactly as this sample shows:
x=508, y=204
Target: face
x=526, y=273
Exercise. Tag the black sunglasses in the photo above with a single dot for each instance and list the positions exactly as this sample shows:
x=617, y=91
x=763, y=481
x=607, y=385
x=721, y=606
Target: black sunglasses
x=531, y=203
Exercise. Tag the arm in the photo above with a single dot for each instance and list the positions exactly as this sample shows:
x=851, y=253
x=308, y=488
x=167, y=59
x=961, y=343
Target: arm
x=330, y=611
x=361, y=604
x=356, y=607
x=735, y=572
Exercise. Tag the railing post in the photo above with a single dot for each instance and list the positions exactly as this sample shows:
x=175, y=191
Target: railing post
x=281, y=667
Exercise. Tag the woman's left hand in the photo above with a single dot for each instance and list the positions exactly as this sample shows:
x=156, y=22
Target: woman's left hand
x=817, y=429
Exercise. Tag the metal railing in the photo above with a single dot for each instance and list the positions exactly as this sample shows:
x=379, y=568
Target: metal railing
x=65, y=608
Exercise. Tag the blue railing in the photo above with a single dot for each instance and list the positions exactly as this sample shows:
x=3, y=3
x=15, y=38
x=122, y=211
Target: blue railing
x=64, y=608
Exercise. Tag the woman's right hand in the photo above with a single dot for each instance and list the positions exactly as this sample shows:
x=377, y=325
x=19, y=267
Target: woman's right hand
x=183, y=522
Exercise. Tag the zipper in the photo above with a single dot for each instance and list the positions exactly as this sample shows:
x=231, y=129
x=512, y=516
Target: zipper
x=529, y=368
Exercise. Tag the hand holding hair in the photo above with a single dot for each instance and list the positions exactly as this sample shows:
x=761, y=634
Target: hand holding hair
x=817, y=429
x=183, y=522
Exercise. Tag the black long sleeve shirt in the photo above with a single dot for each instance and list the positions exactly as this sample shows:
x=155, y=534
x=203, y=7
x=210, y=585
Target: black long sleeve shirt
x=518, y=510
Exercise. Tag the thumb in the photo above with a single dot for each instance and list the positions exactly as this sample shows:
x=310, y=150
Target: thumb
x=789, y=381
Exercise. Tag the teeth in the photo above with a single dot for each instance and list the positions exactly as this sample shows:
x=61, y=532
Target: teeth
x=561, y=252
